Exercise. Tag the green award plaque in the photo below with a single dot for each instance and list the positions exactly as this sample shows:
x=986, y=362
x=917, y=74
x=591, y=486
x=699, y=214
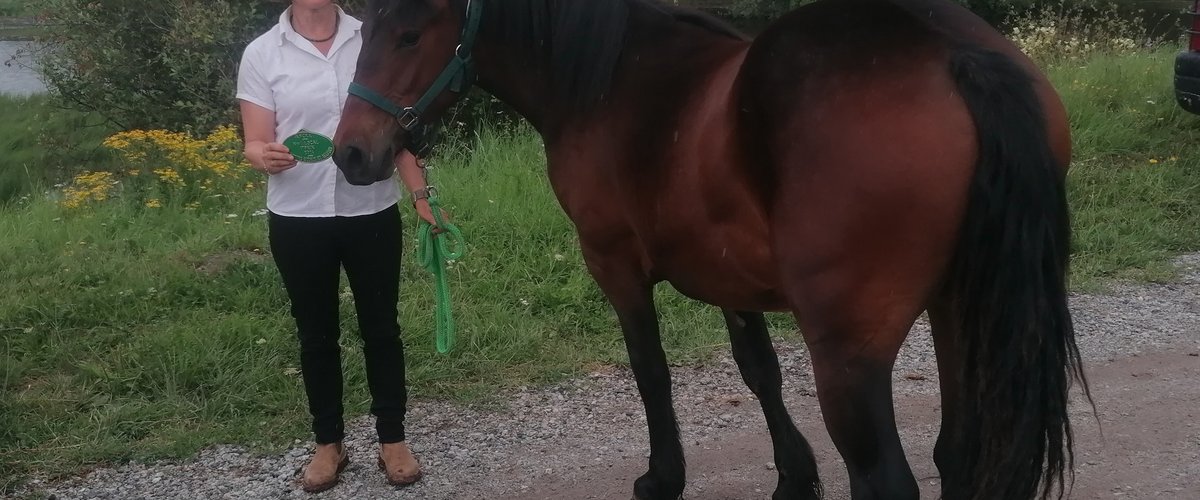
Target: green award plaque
x=309, y=147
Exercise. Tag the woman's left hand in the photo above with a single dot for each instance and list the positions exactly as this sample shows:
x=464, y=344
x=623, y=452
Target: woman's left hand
x=426, y=213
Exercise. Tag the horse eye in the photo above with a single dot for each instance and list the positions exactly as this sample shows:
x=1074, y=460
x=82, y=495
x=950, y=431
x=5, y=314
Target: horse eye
x=409, y=38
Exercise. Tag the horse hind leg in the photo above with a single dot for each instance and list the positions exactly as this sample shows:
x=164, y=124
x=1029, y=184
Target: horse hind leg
x=759, y=365
x=945, y=450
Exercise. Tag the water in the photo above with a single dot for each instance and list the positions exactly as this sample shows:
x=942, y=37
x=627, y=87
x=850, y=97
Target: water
x=16, y=76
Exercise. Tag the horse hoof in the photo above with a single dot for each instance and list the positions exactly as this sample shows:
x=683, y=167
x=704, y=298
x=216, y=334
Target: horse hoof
x=787, y=491
x=648, y=487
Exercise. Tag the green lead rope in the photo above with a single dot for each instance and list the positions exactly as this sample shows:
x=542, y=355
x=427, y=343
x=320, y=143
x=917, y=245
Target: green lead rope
x=433, y=250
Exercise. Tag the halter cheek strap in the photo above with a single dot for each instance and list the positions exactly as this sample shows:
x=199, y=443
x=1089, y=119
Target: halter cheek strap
x=458, y=76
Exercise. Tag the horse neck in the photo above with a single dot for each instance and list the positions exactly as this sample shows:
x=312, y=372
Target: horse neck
x=516, y=78
x=660, y=55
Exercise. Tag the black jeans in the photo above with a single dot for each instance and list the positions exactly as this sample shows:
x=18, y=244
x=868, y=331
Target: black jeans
x=310, y=253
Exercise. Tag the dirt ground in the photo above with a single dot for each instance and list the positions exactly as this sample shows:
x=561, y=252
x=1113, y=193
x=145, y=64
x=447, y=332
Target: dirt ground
x=1146, y=446
x=586, y=437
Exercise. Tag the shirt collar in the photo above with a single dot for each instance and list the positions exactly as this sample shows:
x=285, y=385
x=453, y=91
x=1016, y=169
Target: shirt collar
x=346, y=25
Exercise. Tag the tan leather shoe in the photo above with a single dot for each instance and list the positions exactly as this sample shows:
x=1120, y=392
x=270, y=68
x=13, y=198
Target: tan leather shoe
x=322, y=471
x=399, y=464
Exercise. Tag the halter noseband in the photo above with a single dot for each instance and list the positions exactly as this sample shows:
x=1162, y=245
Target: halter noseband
x=458, y=76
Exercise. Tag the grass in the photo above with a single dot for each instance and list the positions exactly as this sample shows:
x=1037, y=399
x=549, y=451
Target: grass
x=17, y=8
x=1135, y=182
x=42, y=143
x=129, y=333
x=20, y=33
x=133, y=333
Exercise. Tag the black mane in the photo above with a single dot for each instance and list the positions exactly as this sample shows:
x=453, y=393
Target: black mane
x=582, y=40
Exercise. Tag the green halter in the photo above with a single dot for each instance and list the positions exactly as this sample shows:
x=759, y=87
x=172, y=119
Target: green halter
x=457, y=77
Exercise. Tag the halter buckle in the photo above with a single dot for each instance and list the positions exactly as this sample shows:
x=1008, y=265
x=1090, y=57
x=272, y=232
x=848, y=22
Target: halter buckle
x=408, y=119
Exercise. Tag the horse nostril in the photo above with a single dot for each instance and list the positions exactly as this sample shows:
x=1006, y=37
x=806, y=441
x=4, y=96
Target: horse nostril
x=356, y=157
x=351, y=157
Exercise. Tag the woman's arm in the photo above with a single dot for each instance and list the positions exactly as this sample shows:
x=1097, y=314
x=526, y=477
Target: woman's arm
x=411, y=173
x=413, y=177
x=263, y=153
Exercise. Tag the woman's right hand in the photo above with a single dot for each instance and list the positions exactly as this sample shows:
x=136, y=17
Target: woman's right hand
x=270, y=157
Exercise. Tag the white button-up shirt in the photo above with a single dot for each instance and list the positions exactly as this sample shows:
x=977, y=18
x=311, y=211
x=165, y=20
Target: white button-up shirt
x=283, y=72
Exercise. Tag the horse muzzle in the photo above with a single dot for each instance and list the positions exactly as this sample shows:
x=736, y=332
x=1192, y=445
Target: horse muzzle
x=362, y=166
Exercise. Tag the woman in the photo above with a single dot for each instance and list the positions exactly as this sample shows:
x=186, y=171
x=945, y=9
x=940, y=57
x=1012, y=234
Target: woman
x=296, y=77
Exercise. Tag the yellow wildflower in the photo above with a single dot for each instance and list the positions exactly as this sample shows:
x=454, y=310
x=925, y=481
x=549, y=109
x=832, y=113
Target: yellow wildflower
x=88, y=187
x=175, y=161
x=169, y=176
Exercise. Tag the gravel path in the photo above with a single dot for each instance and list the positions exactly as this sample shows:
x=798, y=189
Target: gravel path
x=548, y=439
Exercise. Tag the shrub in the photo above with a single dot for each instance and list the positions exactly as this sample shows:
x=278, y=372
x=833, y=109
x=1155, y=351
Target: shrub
x=767, y=9
x=160, y=168
x=172, y=64
x=747, y=11
x=9, y=8
x=1070, y=32
x=149, y=63
x=998, y=11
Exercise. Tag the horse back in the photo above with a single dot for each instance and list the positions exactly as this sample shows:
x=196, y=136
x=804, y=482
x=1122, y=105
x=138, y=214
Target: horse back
x=859, y=50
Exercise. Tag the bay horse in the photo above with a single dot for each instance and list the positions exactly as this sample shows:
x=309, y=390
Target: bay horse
x=858, y=163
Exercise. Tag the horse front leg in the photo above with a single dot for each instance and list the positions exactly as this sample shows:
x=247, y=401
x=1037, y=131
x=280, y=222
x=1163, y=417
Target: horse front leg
x=631, y=295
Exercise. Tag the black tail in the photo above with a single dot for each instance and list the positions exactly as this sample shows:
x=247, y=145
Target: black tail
x=1009, y=295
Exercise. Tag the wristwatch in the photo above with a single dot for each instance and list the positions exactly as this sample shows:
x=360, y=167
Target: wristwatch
x=422, y=194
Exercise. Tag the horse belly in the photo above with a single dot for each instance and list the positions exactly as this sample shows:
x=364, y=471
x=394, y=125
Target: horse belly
x=729, y=271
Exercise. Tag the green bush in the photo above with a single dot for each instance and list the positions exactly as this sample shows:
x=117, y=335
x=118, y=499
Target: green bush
x=762, y=8
x=149, y=63
x=172, y=64
x=169, y=64
x=1063, y=32
x=752, y=14
x=13, y=8
x=998, y=11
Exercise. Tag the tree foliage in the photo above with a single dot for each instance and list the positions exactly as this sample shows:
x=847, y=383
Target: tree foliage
x=150, y=63
x=172, y=64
